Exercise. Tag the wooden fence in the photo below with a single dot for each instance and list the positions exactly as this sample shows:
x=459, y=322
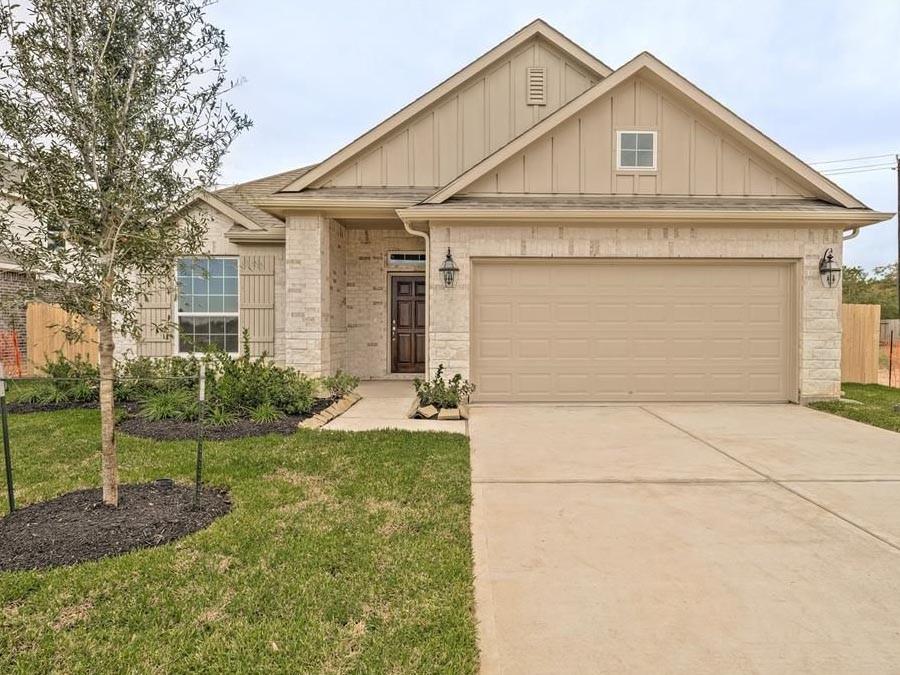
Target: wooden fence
x=44, y=324
x=889, y=326
x=859, y=343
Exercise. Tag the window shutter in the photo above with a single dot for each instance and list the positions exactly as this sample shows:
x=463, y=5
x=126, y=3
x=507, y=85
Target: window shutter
x=155, y=313
x=257, y=303
x=536, y=85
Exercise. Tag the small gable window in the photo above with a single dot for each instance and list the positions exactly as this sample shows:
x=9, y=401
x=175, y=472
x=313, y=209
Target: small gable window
x=637, y=150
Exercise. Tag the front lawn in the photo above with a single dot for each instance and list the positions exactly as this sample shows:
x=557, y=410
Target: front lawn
x=875, y=407
x=343, y=552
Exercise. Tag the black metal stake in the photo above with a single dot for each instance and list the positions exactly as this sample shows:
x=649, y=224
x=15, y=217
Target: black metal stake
x=891, y=354
x=7, y=456
x=201, y=399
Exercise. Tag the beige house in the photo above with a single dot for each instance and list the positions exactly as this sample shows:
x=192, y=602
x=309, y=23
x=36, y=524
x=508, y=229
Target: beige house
x=618, y=234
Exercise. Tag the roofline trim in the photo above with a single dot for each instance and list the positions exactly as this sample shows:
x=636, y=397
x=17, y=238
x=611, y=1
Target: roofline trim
x=646, y=61
x=220, y=205
x=536, y=27
x=854, y=217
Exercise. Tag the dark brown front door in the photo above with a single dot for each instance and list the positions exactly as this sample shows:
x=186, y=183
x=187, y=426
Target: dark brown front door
x=407, y=324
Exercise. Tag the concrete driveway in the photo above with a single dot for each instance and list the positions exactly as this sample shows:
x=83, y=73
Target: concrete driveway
x=685, y=538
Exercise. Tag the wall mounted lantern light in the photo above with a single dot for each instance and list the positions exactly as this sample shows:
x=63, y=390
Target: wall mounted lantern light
x=829, y=269
x=448, y=270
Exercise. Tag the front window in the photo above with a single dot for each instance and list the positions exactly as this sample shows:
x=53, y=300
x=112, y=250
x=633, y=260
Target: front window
x=207, y=304
x=637, y=150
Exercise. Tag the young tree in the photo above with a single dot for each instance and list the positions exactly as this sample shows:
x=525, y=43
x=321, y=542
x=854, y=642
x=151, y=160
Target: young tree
x=111, y=115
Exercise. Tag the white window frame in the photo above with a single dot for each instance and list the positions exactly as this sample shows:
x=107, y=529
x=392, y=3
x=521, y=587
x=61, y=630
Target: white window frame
x=177, y=314
x=619, y=166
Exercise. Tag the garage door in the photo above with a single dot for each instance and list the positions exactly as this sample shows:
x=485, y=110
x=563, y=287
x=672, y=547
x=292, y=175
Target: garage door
x=600, y=330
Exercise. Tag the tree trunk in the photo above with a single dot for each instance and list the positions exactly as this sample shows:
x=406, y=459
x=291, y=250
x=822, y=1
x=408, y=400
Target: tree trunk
x=109, y=460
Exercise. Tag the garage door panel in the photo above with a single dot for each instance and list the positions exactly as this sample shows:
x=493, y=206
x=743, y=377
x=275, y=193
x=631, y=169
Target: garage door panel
x=612, y=330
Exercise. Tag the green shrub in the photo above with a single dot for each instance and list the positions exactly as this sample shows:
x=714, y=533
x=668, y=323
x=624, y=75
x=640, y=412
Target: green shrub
x=177, y=404
x=64, y=368
x=244, y=383
x=340, y=384
x=75, y=380
x=266, y=412
x=32, y=392
x=139, y=378
x=443, y=393
x=217, y=416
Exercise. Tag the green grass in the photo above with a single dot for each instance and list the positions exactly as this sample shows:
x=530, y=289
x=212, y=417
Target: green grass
x=875, y=407
x=343, y=552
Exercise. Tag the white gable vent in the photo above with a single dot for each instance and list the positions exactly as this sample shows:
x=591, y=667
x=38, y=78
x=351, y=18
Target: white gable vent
x=536, y=85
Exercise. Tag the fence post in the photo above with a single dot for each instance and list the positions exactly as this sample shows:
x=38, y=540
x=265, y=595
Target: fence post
x=201, y=400
x=891, y=359
x=7, y=456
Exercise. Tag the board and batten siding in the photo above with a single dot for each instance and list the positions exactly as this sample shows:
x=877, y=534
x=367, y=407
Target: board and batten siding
x=256, y=310
x=461, y=129
x=695, y=156
x=257, y=302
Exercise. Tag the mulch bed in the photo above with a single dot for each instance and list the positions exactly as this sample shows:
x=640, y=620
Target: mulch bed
x=77, y=527
x=21, y=408
x=171, y=430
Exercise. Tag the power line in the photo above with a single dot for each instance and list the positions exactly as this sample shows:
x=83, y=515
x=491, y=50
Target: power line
x=879, y=165
x=853, y=159
x=859, y=169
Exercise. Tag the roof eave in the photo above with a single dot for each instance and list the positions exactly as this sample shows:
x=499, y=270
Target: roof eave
x=848, y=217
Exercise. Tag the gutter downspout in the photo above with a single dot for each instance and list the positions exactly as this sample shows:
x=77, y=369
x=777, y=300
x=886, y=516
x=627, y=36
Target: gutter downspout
x=407, y=225
x=853, y=232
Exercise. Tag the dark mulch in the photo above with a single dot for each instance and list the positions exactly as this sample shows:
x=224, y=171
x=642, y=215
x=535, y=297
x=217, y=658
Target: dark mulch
x=77, y=527
x=172, y=430
x=22, y=408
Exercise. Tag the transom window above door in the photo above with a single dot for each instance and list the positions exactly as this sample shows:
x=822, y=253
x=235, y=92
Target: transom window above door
x=637, y=150
x=208, y=302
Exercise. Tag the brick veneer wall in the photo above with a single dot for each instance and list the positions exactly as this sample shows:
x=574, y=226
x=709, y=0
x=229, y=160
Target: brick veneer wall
x=12, y=314
x=819, y=313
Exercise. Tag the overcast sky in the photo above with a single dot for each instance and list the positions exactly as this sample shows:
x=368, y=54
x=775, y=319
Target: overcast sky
x=821, y=77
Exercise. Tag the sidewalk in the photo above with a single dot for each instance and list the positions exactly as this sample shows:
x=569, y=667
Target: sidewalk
x=384, y=405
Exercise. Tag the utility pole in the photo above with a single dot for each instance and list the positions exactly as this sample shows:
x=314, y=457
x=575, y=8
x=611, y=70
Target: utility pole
x=897, y=169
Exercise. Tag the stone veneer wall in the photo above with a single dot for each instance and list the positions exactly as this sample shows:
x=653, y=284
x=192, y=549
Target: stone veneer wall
x=368, y=296
x=337, y=300
x=819, y=345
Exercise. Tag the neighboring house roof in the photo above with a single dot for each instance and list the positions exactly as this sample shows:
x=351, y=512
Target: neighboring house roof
x=645, y=61
x=536, y=28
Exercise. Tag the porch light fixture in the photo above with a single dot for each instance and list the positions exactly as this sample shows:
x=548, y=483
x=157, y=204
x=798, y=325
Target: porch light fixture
x=829, y=270
x=448, y=270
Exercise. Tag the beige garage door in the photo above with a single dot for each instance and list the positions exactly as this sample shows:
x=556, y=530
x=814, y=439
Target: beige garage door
x=687, y=330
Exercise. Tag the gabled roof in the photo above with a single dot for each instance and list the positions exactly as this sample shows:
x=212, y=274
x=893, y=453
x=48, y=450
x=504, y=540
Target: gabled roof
x=237, y=201
x=646, y=62
x=385, y=128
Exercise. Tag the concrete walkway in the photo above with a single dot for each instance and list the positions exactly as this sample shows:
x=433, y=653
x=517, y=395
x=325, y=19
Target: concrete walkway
x=685, y=539
x=385, y=405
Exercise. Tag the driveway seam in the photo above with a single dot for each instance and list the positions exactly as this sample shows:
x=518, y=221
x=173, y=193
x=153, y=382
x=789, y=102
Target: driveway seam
x=774, y=481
